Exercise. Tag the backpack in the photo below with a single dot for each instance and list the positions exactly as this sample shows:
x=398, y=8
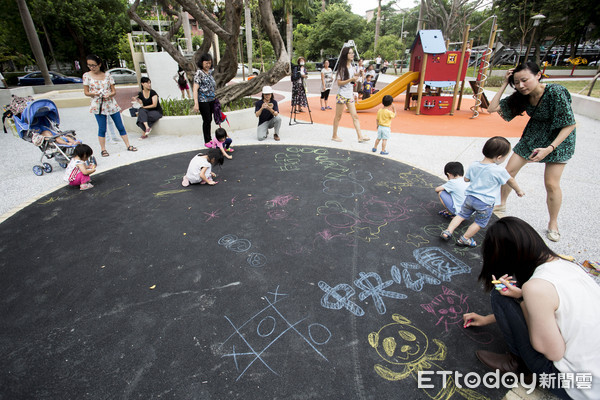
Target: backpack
x=296, y=73
x=218, y=115
x=181, y=80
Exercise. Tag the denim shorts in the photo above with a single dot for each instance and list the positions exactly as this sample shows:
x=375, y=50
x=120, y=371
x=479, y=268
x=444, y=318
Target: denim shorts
x=483, y=211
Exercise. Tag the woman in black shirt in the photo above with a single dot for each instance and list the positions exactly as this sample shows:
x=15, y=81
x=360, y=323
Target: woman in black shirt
x=150, y=110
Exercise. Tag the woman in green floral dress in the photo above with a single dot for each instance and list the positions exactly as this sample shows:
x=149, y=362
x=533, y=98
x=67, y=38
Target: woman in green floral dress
x=549, y=136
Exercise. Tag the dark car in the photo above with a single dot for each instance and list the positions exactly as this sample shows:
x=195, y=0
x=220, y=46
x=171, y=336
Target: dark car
x=332, y=64
x=36, y=78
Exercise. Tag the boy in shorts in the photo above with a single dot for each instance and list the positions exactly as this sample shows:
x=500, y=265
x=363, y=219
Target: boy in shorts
x=485, y=177
x=384, y=123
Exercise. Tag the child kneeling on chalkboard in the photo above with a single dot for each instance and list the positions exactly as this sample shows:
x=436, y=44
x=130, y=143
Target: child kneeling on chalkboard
x=486, y=178
x=200, y=168
x=452, y=193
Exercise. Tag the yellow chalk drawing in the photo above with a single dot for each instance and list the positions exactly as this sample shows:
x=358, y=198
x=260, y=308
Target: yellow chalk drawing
x=366, y=233
x=166, y=193
x=50, y=200
x=406, y=352
x=407, y=179
x=416, y=240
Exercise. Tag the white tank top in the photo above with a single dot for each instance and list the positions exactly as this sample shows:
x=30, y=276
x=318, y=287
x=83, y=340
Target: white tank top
x=578, y=319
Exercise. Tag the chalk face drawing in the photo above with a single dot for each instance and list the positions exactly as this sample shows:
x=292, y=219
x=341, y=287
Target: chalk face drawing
x=250, y=341
x=406, y=350
x=448, y=307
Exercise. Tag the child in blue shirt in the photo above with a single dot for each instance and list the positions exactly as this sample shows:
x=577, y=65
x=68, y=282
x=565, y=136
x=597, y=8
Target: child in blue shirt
x=452, y=193
x=485, y=177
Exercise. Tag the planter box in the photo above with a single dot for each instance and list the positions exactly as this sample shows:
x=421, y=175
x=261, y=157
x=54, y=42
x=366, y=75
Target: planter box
x=192, y=124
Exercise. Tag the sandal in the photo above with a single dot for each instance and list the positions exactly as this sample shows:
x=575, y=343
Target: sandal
x=446, y=214
x=131, y=148
x=553, y=235
x=104, y=153
x=463, y=241
x=446, y=235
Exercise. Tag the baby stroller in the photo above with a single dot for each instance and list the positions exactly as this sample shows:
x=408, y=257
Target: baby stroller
x=39, y=116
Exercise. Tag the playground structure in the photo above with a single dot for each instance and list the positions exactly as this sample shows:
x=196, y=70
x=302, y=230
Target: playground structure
x=432, y=68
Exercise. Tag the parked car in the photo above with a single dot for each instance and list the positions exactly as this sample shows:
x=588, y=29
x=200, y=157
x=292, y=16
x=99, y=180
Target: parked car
x=246, y=70
x=123, y=75
x=332, y=62
x=36, y=78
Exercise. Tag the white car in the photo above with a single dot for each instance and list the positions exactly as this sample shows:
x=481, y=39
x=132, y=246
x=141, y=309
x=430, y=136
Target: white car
x=123, y=75
x=246, y=70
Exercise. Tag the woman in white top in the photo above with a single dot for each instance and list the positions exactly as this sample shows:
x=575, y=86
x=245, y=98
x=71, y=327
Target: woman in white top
x=347, y=76
x=100, y=86
x=326, y=83
x=549, y=318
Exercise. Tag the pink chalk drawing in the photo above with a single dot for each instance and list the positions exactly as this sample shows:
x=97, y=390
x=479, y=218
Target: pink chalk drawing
x=212, y=215
x=448, y=307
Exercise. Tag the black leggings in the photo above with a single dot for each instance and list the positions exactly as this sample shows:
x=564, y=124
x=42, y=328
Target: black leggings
x=206, y=110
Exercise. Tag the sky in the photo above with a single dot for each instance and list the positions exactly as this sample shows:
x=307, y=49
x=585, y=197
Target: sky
x=361, y=6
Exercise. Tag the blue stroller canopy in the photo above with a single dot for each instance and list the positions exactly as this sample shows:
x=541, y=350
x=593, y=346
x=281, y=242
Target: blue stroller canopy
x=37, y=114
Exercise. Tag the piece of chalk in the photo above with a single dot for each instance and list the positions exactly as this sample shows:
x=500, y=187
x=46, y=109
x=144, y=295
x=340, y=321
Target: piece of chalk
x=496, y=281
x=467, y=323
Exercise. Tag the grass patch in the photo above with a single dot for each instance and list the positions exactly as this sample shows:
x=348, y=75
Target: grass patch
x=180, y=107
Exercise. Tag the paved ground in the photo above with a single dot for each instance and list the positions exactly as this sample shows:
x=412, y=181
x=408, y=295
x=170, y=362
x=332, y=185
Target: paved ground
x=578, y=220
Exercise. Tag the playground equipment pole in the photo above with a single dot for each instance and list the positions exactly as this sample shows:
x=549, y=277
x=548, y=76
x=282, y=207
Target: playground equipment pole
x=485, y=63
x=421, y=81
x=460, y=67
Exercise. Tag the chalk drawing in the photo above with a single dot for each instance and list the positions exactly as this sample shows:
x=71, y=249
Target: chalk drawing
x=440, y=263
x=361, y=176
x=307, y=150
x=256, y=260
x=448, y=307
x=280, y=201
x=366, y=234
x=231, y=242
x=416, y=285
x=166, y=193
x=407, y=179
x=375, y=290
x=406, y=350
x=211, y=215
x=278, y=214
x=270, y=325
x=416, y=240
x=287, y=162
x=334, y=300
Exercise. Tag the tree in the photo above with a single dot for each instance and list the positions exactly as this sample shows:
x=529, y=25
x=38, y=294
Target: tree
x=34, y=40
x=303, y=6
x=377, y=23
x=333, y=28
x=447, y=15
x=225, y=23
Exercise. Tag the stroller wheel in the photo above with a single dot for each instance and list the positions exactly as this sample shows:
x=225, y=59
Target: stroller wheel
x=38, y=170
x=63, y=165
x=47, y=167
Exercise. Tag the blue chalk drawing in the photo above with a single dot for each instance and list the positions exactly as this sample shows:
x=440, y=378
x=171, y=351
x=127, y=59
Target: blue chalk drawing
x=256, y=260
x=440, y=262
x=376, y=290
x=272, y=326
x=340, y=300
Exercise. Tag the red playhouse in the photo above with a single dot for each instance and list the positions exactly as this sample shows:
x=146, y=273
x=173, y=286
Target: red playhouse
x=438, y=69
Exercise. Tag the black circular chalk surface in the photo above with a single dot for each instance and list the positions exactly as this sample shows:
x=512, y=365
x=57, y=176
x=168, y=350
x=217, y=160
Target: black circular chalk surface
x=305, y=272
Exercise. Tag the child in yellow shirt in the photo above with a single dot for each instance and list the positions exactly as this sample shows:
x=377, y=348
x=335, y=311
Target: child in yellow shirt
x=384, y=123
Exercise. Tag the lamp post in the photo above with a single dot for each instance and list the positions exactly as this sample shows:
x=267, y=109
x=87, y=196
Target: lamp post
x=537, y=19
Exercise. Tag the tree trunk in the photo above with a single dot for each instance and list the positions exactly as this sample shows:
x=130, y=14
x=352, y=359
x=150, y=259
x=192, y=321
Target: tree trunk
x=228, y=32
x=289, y=28
x=248, y=21
x=34, y=41
x=377, y=25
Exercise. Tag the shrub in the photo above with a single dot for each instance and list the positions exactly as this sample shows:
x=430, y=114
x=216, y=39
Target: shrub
x=179, y=107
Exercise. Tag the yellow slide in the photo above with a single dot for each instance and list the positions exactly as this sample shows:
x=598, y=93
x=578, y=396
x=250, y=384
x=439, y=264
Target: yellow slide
x=393, y=89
